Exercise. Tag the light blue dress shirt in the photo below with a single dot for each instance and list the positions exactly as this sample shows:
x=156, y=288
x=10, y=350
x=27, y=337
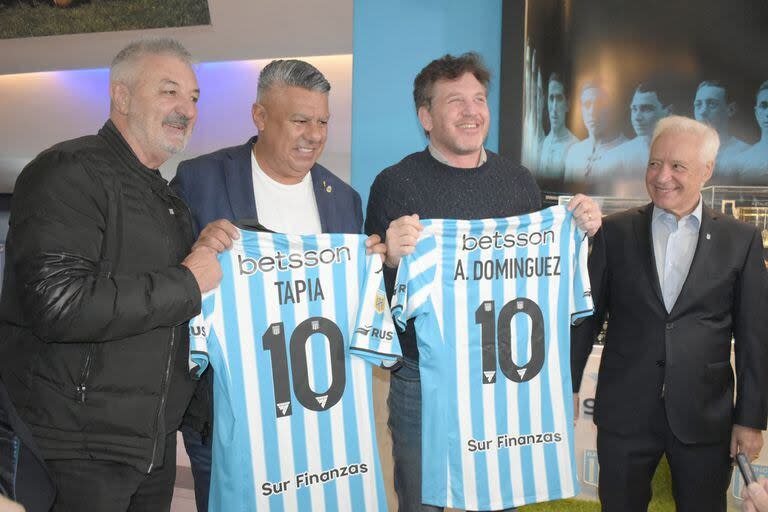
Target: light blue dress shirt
x=674, y=243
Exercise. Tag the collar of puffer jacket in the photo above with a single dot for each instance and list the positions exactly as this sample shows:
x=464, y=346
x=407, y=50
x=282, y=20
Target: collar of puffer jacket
x=119, y=145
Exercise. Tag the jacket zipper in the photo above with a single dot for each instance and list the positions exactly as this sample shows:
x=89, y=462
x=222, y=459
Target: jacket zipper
x=166, y=377
x=190, y=221
x=81, y=388
x=163, y=398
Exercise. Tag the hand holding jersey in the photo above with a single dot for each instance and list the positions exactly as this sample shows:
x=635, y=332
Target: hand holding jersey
x=587, y=213
x=216, y=237
x=403, y=233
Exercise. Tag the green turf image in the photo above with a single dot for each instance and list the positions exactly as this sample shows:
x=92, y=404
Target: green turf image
x=662, y=497
x=33, y=18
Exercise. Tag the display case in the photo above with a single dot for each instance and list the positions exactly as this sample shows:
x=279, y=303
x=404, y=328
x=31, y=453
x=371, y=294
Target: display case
x=723, y=199
x=610, y=205
x=749, y=204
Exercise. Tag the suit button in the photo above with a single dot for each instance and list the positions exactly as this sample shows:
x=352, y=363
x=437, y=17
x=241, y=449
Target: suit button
x=670, y=325
x=660, y=363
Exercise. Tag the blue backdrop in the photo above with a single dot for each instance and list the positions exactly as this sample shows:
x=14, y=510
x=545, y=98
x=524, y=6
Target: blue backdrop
x=392, y=41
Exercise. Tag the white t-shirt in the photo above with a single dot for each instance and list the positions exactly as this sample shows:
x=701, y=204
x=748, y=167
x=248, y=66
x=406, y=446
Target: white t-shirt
x=290, y=209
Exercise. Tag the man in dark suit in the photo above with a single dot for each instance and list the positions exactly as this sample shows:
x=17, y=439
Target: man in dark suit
x=273, y=178
x=677, y=281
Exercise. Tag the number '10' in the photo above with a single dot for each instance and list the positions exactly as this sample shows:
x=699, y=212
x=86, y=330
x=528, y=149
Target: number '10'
x=274, y=342
x=485, y=316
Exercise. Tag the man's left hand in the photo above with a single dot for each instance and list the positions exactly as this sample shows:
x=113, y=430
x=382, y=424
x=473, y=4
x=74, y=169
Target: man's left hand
x=374, y=245
x=587, y=213
x=217, y=236
x=746, y=440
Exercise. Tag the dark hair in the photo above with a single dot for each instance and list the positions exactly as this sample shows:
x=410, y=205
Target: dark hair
x=763, y=87
x=447, y=67
x=654, y=87
x=719, y=84
x=556, y=77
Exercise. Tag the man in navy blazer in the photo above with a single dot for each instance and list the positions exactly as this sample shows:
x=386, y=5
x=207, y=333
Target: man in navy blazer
x=273, y=178
x=219, y=185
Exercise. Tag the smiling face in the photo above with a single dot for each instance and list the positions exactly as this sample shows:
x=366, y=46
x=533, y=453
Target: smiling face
x=158, y=109
x=293, y=128
x=457, y=118
x=676, y=172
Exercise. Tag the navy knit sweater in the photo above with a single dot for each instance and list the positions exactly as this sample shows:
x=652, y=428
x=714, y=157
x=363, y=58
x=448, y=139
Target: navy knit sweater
x=420, y=184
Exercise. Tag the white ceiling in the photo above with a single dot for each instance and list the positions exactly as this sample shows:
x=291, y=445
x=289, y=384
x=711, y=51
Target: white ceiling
x=239, y=30
x=39, y=108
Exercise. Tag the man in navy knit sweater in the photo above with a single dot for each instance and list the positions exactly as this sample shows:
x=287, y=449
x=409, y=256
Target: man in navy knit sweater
x=454, y=177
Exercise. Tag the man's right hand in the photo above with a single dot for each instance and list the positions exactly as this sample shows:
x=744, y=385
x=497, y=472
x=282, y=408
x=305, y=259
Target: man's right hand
x=216, y=237
x=401, y=238
x=204, y=265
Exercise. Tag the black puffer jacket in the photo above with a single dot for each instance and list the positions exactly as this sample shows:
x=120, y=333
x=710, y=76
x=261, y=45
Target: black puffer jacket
x=93, y=336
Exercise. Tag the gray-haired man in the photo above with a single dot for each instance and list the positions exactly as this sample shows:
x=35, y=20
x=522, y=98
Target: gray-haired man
x=100, y=281
x=274, y=177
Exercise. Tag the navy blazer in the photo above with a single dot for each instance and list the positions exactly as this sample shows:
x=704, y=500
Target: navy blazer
x=219, y=185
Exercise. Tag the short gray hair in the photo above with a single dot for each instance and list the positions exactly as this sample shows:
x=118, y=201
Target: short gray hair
x=123, y=64
x=291, y=73
x=710, y=141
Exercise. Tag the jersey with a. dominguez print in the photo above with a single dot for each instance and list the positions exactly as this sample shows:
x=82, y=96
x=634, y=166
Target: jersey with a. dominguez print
x=493, y=301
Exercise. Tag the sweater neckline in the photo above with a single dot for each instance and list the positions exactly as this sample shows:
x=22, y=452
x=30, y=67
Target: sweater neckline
x=461, y=171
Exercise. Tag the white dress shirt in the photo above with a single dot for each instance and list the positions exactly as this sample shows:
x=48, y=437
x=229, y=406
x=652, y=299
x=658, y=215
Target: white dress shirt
x=674, y=244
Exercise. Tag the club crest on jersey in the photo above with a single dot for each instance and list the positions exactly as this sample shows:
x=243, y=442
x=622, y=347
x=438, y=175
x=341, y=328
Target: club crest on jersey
x=591, y=469
x=380, y=302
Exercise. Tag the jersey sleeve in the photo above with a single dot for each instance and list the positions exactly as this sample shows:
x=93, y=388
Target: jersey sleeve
x=201, y=335
x=581, y=291
x=415, y=280
x=374, y=338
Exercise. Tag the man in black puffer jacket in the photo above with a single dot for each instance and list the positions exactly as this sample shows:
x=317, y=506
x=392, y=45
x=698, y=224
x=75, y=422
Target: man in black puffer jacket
x=99, y=284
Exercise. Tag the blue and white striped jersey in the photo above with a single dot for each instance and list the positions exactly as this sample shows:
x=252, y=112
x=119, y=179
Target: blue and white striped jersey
x=290, y=332
x=493, y=301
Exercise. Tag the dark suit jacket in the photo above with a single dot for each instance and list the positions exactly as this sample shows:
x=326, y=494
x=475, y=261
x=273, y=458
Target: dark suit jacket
x=219, y=185
x=684, y=354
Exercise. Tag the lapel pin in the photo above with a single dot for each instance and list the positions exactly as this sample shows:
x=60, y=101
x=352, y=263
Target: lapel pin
x=709, y=236
x=328, y=189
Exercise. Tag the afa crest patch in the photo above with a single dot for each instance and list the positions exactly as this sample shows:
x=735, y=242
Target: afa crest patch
x=380, y=302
